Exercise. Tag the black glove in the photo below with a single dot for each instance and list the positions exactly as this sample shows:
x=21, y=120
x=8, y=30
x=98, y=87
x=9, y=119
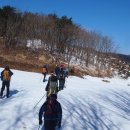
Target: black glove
x=40, y=122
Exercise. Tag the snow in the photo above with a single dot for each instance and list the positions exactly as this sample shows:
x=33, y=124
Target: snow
x=36, y=43
x=88, y=103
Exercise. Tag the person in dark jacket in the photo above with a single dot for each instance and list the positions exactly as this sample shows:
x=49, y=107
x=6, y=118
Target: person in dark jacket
x=5, y=77
x=61, y=81
x=52, y=85
x=52, y=112
x=44, y=72
x=57, y=71
x=62, y=69
x=66, y=72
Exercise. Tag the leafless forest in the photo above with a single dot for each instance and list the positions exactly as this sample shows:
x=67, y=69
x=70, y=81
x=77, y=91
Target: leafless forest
x=58, y=37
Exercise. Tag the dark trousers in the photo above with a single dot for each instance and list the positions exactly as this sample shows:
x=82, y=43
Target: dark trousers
x=49, y=125
x=44, y=79
x=57, y=75
x=5, y=84
x=61, y=84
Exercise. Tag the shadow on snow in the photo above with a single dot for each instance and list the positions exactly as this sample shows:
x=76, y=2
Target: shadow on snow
x=81, y=113
x=86, y=114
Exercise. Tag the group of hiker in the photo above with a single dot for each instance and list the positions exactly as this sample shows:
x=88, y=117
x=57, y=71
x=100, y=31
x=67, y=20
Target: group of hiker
x=51, y=109
x=56, y=81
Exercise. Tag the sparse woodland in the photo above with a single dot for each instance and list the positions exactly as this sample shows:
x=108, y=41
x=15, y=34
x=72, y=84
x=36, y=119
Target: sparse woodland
x=60, y=40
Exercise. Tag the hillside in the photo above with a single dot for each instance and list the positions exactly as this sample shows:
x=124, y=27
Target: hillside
x=23, y=59
x=31, y=40
x=32, y=59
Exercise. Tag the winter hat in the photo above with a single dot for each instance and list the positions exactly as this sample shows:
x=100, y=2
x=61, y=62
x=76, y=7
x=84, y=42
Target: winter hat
x=7, y=68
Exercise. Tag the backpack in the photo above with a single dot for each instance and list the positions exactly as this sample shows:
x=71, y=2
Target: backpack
x=51, y=108
x=53, y=87
x=6, y=75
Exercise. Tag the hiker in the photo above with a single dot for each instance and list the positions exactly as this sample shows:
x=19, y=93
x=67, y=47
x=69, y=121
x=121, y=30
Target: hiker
x=52, y=85
x=5, y=77
x=61, y=81
x=52, y=112
x=61, y=69
x=44, y=72
x=66, y=72
x=57, y=71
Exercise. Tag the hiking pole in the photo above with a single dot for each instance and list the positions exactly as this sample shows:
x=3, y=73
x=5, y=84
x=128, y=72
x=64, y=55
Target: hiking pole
x=39, y=101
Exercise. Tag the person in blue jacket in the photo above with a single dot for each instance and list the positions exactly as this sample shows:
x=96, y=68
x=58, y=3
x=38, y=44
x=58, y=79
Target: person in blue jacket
x=57, y=71
x=61, y=82
x=5, y=77
x=52, y=112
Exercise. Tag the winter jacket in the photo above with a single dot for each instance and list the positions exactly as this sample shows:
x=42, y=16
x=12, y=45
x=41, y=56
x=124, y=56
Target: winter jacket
x=57, y=70
x=52, y=85
x=52, y=78
x=10, y=73
x=54, y=115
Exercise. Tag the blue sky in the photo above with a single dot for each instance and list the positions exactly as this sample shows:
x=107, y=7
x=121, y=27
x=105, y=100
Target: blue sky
x=108, y=17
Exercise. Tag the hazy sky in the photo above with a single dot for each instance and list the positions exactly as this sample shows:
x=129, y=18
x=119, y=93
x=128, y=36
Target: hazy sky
x=108, y=17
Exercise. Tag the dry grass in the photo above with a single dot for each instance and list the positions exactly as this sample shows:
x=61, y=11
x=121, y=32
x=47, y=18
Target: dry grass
x=28, y=60
x=25, y=60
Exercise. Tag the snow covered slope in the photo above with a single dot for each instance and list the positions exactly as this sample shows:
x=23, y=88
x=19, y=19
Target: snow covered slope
x=88, y=104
